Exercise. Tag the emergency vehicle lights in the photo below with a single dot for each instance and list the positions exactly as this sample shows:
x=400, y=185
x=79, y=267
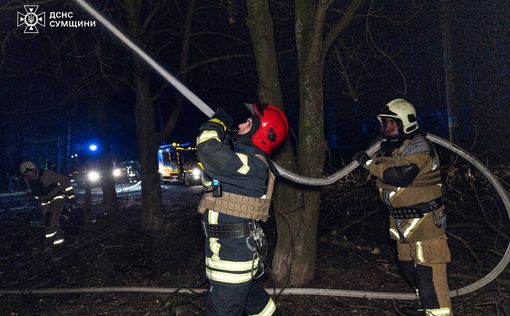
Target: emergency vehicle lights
x=116, y=172
x=93, y=176
x=93, y=147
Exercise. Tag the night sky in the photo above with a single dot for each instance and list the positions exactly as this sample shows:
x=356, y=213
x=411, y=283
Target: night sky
x=50, y=80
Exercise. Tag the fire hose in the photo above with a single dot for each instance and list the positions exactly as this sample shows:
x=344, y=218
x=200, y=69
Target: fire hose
x=500, y=267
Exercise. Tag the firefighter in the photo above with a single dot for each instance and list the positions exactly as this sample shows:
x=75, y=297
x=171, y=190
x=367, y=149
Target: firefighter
x=409, y=181
x=51, y=190
x=237, y=197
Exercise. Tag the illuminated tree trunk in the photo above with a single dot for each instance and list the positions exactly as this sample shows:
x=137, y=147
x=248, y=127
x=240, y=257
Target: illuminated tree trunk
x=286, y=198
x=297, y=211
x=105, y=160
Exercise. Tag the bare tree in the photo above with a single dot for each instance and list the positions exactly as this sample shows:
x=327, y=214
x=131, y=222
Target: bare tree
x=148, y=138
x=297, y=217
x=451, y=99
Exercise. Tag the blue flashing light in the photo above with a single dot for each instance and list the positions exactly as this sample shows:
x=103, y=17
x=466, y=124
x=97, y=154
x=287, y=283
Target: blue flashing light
x=93, y=147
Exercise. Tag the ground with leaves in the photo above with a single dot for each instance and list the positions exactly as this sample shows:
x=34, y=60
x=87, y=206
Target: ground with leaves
x=354, y=253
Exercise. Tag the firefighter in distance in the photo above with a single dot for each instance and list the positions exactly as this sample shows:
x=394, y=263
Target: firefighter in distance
x=51, y=190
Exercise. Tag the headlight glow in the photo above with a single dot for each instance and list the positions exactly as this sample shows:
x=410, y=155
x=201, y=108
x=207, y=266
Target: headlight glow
x=196, y=173
x=93, y=176
x=116, y=172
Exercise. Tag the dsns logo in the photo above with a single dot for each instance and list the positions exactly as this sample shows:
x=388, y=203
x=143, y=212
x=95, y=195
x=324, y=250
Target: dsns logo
x=31, y=19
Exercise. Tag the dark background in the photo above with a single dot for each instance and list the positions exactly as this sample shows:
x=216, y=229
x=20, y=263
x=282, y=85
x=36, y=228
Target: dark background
x=46, y=107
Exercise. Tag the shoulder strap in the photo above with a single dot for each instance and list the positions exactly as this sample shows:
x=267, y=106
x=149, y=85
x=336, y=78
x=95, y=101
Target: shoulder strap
x=272, y=177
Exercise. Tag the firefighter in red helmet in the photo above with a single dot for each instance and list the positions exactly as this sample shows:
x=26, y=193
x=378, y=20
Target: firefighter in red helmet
x=236, y=199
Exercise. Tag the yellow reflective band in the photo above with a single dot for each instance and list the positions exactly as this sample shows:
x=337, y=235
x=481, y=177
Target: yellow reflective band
x=68, y=188
x=228, y=277
x=214, y=245
x=244, y=159
x=215, y=120
x=213, y=217
x=397, y=192
x=58, y=241
x=411, y=226
x=231, y=265
x=419, y=252
x=445, y=311
x=268, y=310
x=395, y=233
x=58, y=197
x=49, y=235
x=206, y=135
x=70, y=196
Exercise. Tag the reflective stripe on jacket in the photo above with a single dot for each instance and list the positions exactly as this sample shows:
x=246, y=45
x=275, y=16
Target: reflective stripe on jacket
x=425, y=187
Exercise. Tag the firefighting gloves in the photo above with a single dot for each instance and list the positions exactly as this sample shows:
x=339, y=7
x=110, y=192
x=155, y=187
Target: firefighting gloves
x=388, y=145
x=362, y=158
x=222, y=118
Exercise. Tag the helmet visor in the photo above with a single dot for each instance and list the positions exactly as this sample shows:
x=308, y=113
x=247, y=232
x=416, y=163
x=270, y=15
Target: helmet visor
x=27, y=171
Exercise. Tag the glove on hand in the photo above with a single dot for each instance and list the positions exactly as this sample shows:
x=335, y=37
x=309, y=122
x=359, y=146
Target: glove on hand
x=223, y=117
x=387, y=146
x=361, y=157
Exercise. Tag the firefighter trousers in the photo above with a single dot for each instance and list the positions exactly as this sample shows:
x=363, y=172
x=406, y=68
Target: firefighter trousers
x=230, y=267
x=52, y=212
x=423, y=263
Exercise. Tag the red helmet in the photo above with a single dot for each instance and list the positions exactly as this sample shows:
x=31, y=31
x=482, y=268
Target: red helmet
x=273, y=127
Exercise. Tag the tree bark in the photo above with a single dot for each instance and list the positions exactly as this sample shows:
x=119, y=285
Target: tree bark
x=310, y=18
x=287, y=199
x=183, y=65
x=105, y=160
x=450, y=81
x=145, y=128
x=297, y=210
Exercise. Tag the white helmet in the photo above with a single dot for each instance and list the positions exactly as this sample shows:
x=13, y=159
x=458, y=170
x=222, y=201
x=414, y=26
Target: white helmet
x=27, y=166
x=402, y=110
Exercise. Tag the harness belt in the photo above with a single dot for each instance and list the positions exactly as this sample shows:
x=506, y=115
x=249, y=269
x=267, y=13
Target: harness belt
x=417, y=210
x=229, y=230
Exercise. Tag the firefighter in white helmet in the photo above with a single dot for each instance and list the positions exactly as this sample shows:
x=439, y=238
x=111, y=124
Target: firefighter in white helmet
x=409, y=183
x=51, y=190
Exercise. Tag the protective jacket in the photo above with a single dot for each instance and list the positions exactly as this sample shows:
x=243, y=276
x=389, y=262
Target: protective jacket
x=231, y=263
x=407, y=177
x=409, y=182
x=50, y=186
x=51, y=190
x=243, y=173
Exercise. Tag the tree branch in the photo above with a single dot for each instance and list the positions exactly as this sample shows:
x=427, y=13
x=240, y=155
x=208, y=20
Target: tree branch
x=340, y=26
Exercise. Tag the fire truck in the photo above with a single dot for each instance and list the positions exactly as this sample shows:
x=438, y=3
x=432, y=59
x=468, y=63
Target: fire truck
x=178, y=162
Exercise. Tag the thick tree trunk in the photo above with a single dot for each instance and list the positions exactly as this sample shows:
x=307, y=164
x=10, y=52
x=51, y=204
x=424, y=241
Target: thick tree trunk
x=105, y=160
x=287, y=199
x=145, y=128
x=147, y=150
x=310, y=18
x=450, y=81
